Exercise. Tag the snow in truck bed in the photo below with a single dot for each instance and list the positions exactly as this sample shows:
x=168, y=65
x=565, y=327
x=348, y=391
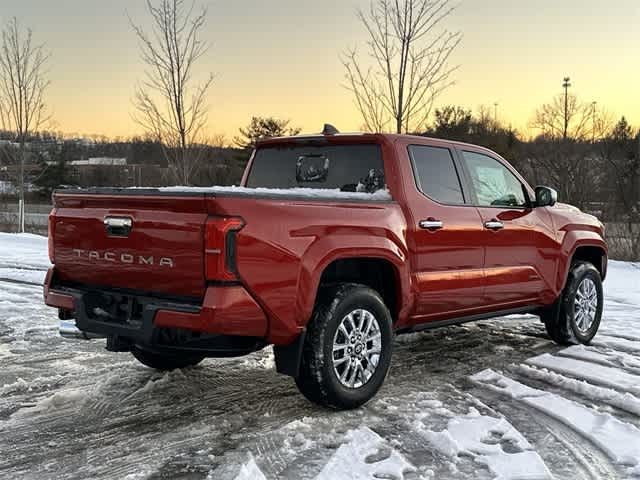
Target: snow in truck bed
x=314, y=193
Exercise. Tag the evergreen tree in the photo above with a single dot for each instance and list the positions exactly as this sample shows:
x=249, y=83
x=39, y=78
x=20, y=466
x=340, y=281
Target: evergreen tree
x=53, y=175
x=263, y=127
x=258, y=129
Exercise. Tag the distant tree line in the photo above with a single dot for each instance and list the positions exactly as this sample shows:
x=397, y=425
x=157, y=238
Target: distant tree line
x=51, y=158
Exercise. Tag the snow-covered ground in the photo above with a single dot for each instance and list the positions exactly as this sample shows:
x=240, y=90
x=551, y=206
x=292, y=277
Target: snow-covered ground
x=491, y=400
x=23, y=257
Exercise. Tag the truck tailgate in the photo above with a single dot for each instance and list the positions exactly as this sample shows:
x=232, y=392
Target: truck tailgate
x=151, y=243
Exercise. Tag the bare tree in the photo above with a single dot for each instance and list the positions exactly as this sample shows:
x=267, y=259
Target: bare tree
x=410, y=63
x=23, y=84
x=571, y=167
x=566, y=117
x=218, y=140
x=169, y=103
x=620, y=150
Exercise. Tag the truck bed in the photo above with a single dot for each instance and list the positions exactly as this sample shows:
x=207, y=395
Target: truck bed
x=163, y=253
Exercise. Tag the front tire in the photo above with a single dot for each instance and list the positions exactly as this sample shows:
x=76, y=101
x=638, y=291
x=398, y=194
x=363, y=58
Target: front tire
x=575, y=318
x=165, y=361
x=347, y=349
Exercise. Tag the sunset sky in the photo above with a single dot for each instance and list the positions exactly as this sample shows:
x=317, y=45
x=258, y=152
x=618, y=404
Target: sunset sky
x=281, y=58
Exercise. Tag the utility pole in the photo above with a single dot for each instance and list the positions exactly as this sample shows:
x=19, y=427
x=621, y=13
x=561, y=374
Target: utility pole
x=566, y=84
x=495, y=112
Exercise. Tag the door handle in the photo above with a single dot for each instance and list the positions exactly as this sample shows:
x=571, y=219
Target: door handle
x=431, y=224
x=118, y=226
x=494, y=224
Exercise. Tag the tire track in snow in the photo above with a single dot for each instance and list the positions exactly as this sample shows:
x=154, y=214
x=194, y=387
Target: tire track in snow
x=20, y=266
x=564, y=451
x=619, y=440
x=610, y=377
x=619, y=343
x=604, y=356
x=623, y=401
x=20, y=282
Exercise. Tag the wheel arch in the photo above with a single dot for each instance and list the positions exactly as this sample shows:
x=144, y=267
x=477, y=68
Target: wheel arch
x=377, y=273
x=390, y=280
x=593, y=251
x=594, y=254
x=347, y=258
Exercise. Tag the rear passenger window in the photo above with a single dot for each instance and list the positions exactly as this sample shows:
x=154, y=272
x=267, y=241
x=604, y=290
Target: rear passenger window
x=436, y=174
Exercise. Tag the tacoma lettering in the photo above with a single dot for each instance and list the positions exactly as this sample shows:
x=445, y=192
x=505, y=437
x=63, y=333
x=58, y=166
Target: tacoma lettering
x=126, y=258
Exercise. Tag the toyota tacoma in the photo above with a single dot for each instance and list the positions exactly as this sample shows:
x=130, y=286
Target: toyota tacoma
x=331, y=245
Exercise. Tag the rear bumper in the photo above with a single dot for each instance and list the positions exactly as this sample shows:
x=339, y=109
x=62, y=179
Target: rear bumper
x=225, y=310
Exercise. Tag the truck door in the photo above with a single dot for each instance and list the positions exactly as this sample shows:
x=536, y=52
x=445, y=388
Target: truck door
x=511, y=232
x=444, y=235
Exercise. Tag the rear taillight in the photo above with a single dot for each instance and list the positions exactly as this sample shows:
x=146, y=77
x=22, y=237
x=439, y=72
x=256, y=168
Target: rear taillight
x=220, y=248
x=51, y=230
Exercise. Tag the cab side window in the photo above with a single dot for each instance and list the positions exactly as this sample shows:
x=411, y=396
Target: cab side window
x=436, y=174
x=494, y=184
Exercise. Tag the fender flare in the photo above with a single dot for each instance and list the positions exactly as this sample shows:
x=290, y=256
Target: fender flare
x=573, y=241
x=328, y=249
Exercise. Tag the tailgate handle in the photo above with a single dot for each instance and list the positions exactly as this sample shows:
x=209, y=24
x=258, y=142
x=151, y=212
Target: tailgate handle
x=118, y=226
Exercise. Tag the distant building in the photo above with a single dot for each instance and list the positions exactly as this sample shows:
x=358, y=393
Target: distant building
x=111, y=171
x=93, y=161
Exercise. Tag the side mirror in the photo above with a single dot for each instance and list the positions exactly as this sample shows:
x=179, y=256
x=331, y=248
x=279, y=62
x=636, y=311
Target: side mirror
x=545, y=196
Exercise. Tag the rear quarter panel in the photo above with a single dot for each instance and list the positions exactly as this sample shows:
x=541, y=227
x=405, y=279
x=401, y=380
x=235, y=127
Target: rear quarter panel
x=286, y=245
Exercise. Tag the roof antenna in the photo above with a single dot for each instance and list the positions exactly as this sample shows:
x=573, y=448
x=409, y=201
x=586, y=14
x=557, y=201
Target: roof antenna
x=329, y=129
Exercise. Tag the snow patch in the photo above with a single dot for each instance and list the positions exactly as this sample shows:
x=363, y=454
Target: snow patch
x=490, y=441
x=20, y=250
x=5, y=350
x=365, y=455
x=250, y=471
x=160, y=381
x=319, y=193
x=243, y=468
x=61, y=399
x=22, y=386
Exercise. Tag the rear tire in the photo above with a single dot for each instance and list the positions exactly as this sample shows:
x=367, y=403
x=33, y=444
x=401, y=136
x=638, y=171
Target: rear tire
x=165, y=361
x=347, y=349
x=576, y=315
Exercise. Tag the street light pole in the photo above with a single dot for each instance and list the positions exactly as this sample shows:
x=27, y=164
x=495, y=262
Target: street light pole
x=566, y=84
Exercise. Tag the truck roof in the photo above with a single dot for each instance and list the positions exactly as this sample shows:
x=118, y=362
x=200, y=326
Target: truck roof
x=358, y=137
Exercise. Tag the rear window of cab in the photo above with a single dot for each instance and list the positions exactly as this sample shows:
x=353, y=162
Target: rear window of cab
x=349, y=168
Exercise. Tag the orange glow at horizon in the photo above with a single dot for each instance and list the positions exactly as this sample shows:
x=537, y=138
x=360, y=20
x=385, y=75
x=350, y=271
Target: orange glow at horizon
x=282, y=59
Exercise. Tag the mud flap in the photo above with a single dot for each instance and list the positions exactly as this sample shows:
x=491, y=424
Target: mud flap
x=552, y=312
x=288, y=356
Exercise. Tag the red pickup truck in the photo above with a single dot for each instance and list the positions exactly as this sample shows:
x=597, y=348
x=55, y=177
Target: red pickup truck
x=332, y=244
